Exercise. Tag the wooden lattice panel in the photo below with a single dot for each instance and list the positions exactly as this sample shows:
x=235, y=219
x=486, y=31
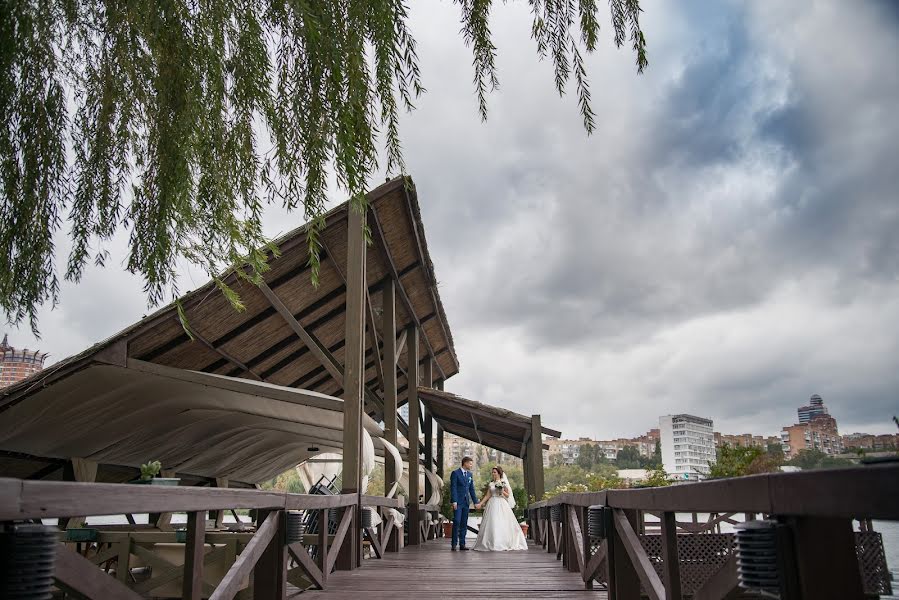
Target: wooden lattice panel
x=872, y=562
x=701, y=555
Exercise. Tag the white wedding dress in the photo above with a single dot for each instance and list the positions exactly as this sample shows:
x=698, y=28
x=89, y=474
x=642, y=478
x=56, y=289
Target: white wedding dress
x=499, y=528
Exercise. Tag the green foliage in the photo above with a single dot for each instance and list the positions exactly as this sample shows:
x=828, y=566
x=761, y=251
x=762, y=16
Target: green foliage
x=288, y=481
x=556, y=476
x=629, y=458
x=815, y=459
x=564, y=488
x=179, y=121
x=590, y=456
x=655, y=462
x=521, y=501
x=776, y=452
x=656, y=478
x=376, y=481
x=446, y=504
x=150, y=470
x=736, y=461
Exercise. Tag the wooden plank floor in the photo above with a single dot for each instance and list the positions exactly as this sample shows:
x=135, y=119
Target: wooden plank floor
x=433, y=572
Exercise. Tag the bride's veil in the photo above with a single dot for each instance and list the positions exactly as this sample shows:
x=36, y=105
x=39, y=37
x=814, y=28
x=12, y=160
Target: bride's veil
x=511, y=497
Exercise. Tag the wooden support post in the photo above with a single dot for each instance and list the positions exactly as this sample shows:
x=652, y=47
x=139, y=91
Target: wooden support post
x=353, y=381
x=82, y=470
x=391, y=354
x=670, y=557
x=826, y=545
x=526, y=473
x=414, y=491
x=535, y=452
x=192, y=580
x=440, y=455
x=323, y=545
x=270, y=573
x=219, y=515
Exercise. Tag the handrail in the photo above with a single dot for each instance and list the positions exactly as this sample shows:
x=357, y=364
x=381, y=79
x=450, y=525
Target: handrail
x=382, y=501
x=21, y=499
x=832, y=493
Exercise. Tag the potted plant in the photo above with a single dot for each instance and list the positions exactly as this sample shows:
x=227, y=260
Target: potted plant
x=149, y=472
x=446, y=509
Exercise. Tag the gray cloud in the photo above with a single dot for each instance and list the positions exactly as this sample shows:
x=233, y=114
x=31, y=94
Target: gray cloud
x=724, y=244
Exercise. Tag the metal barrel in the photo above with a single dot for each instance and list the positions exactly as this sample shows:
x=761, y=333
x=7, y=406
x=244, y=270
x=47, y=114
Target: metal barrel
x=28, y=552
x=757, y=556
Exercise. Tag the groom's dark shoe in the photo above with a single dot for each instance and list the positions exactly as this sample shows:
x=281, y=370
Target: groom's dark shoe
x=463, y=548
x=453, y=548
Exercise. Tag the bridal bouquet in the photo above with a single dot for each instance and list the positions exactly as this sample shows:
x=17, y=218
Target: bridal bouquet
x=499, y=486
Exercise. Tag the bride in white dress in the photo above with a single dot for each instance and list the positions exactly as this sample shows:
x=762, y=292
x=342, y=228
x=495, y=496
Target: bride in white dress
x=499, y=528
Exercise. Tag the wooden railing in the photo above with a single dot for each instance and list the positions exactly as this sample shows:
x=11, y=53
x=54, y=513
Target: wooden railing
x=817, y=508
x=264, y=554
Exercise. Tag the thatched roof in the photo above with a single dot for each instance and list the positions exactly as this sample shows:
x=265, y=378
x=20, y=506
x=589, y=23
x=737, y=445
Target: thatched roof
x=259, y=343
x=491, y=426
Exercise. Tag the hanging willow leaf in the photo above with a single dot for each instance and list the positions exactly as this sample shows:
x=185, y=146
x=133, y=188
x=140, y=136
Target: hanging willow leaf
x=180, y=120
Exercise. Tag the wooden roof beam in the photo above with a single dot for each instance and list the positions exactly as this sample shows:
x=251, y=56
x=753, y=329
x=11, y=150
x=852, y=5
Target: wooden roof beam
x=221, y=352
x=427, y=398
x=315, y=346
x=378, y=236
x=432, y=284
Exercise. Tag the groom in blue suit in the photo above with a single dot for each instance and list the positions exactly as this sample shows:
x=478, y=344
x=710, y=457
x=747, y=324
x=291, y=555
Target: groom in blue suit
x=461, y=488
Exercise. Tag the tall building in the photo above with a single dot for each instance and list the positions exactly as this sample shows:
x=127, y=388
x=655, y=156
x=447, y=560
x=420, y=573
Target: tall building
x=815, y=407
x=819, y=433
x=404, y=412
x=455, y=448
x=745, y=440
x=17, y=364
x=688, y=446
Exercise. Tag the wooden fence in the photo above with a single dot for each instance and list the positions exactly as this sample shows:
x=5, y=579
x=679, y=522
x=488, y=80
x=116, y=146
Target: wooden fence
x=262, y=560
x=646, y=552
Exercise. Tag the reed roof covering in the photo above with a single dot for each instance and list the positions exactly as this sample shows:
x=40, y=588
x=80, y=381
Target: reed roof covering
x=491, y=426
x=259, y=343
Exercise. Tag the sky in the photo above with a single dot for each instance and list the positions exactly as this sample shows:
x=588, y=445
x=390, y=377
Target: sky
x=726, y=243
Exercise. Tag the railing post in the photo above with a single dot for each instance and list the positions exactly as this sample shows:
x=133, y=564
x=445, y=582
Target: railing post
x=192, y=580
x=624, y=584
x=826, y=545
x=270, y=573
x=670, y=557
x=585, y=544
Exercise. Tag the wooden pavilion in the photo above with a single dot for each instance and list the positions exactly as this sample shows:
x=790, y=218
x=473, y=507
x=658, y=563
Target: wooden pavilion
x=231, y=398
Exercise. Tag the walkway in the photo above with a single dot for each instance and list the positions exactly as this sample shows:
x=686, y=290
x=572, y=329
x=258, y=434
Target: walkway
x=433, y=572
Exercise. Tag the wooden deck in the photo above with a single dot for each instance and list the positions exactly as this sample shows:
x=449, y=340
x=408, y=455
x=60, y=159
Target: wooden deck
x=432, y=571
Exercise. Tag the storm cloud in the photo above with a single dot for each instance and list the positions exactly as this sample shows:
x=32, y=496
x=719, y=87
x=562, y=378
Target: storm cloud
x=724, y=244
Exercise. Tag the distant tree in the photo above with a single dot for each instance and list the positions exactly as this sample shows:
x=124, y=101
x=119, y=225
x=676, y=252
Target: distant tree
x=597, y=482
x=586, y=456
x=656, y=478
x=654, y=461
x=736, y=461
x=628, y=458
x=776, y=452
x=178, y=122
x=808, y=459
x=556, y=460
x=564, y=474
